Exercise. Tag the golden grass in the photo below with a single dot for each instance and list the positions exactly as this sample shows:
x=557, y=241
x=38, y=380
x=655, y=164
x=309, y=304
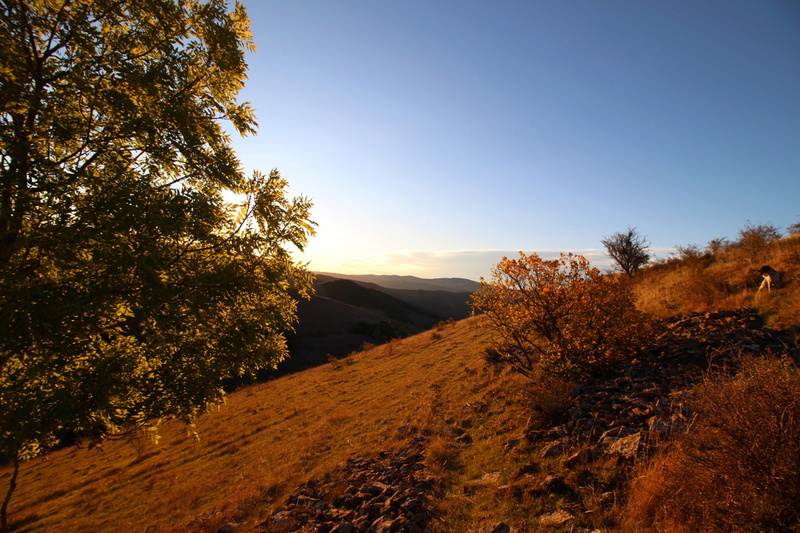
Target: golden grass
x=266, y=440
x=724, y=281
x=739, y=467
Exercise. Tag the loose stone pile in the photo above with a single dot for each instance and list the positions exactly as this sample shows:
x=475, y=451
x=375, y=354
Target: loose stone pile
x=647, y=402
x=622, y=416
x=383, y=495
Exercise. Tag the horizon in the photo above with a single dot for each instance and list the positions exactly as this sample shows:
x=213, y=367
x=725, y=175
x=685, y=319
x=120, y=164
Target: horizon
x=434, y=139
x=481, y=258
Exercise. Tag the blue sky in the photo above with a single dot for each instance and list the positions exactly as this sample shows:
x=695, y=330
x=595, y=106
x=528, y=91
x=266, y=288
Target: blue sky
x=434, y=137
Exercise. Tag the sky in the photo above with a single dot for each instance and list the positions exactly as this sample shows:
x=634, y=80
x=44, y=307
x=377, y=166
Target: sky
x=435, y=137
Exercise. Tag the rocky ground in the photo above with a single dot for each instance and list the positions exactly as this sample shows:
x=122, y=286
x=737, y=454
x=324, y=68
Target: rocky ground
x=386, y=494
x=647, y=402
x=621, y=417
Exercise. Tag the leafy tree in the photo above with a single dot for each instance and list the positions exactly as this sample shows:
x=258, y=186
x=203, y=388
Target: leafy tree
x=558, y=317
x=139, y=265
x=628, y=249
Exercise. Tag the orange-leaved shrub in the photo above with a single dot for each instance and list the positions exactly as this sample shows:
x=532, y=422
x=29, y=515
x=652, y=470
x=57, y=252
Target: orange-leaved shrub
x=737, y=468
x=558, y=316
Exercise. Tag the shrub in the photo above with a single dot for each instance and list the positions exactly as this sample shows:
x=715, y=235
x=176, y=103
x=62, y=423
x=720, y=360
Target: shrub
x=559, y=317
x=549, y=397
x=755, y=238
x=717, y=246
x=738, y=469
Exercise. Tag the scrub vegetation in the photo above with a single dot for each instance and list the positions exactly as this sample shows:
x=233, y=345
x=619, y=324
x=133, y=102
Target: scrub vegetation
x=483, y=428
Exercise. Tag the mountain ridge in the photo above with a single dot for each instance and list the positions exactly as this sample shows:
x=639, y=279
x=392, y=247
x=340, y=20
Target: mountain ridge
x=393, y=281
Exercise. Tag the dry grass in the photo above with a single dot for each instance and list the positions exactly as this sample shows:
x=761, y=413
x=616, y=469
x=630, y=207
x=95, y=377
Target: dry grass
x=738, y=469
x=266, y=440
x=270, y=438
x=726, y=280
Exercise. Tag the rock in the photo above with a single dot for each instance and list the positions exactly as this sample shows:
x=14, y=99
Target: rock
x=583, y=457
x=556, y=518
x=556, y=448
x=500, y=527
x=385, y=525
x=555, y=485
x=627, y=447
x=344, y=527
x=387, y=494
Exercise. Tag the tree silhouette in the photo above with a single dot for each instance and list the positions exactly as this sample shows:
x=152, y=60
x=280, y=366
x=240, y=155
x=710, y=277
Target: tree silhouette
x=628, y=249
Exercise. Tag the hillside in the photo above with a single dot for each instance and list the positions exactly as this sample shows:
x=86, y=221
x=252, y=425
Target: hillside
x=344, y=315
x=265, y=441
x=411, y=283
x=483, y=447
x=423, y=434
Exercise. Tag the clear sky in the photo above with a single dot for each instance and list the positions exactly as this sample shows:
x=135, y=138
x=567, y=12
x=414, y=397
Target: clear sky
x=436, y=136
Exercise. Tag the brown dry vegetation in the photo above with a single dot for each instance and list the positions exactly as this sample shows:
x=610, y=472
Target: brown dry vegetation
x=738, y=468
x=700, y=282
x=270, y=438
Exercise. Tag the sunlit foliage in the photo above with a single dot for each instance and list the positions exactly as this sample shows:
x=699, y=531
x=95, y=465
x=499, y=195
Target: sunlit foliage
x=560, y=316
x=139, y=265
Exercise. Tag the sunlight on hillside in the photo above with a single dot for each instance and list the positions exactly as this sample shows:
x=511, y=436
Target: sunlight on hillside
x=726, y=280
x=483, y=427
x=263, y=442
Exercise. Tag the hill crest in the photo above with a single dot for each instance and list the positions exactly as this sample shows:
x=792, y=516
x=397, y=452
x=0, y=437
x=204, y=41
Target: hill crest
x=409, y=282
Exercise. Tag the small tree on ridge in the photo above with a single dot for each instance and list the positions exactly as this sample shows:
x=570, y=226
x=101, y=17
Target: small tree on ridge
x=628, y=249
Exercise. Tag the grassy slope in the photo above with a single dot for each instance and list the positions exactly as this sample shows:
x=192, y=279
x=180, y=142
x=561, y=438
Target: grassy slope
x=725, y=281
x=269, y=438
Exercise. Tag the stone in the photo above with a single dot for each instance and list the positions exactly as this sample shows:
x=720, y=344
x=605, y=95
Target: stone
x=344, y=527
x=615, y=433
x=387, y=494
x=556, y=518
x=627, y=447
x=556, y=448
x=555, y=485
x=583, y=457
x=499, y=527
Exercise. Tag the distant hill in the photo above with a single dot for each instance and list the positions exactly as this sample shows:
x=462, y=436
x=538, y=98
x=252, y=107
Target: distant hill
x=410, y=282
x=344, y=314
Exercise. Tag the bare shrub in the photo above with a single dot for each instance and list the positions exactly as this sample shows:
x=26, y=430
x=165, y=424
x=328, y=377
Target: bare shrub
x=691, y=253
x=717, y=246
x=628, y=249
x=738, y=468
x=754, y=239
x=549, y=397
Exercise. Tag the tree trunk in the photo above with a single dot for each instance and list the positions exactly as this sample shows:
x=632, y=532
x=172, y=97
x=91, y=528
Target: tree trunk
x=11, y=486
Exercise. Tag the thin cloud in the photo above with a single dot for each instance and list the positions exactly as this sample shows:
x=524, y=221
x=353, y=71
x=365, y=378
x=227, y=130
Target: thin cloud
x=470, y=264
